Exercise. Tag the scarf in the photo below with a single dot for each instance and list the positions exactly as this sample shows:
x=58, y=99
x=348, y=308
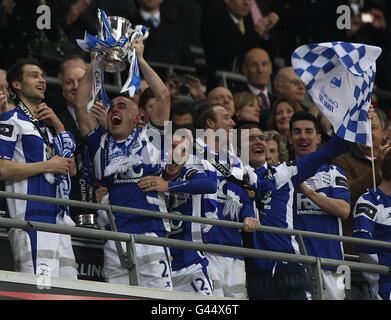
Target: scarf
x=64, y=146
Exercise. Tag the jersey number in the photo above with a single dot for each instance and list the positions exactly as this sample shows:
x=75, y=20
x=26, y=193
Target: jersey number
x=165, y=266
x=196, y=286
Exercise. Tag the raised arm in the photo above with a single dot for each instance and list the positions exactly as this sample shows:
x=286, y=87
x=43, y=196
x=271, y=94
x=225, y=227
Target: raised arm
x=300, y=170
x=309, y=164
x=161, y=108
x=86, y=121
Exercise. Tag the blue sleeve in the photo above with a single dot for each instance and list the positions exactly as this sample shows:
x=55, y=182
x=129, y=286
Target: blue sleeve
x=7, y=148
x=248, y=207
x=340, y=193
x=93, y=139
x=300, y=170
x=364, y=217
x=363, y=228
x=265, y=181
x=195, y=183
x=309, y=164
x=8, y=136
x=340, y=187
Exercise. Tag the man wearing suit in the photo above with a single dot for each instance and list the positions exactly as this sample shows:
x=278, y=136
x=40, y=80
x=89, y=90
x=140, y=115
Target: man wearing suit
x=258, y=69
x=71, y=72
x=229, y=32
x=167, y=41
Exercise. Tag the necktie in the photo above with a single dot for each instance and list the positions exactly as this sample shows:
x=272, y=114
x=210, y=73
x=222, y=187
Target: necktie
x=264, y=100
x=241, y=27
x=154, y=21
x=256, y=13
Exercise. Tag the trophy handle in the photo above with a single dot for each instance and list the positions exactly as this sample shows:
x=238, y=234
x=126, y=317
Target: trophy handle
x=100, y=28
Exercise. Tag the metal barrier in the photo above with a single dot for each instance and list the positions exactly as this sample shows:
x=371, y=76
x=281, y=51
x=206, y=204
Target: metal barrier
x=226, y=75
x=176, y=216
x=172, y=67
x=109, y=87
x=130, y=239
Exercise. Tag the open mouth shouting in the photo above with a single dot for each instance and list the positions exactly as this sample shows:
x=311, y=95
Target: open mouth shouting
x=258, y=150
x=116, y=120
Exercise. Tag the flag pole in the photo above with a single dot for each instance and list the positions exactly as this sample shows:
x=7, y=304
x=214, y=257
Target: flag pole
x=372, y=156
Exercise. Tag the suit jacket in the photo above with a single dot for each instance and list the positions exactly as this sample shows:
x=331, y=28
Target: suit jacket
x=167, y=43
x=70, y=125
x=225, y=46
x=188, y=12
x=80, y=190
x=265, y=114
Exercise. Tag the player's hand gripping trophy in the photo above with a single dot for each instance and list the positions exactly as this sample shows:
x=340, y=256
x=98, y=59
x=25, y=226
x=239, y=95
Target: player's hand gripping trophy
x=113, y=47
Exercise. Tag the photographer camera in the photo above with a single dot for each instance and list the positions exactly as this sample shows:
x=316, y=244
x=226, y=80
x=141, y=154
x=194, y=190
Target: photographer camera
x=185, y=85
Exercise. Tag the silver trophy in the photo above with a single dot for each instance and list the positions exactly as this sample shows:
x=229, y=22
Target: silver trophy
x=113, y=58
x=87, y=220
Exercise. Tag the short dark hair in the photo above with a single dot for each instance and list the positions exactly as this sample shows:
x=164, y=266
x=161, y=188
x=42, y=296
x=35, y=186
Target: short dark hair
x=250, y=125
x=386, y=169
x=182, y=107
x=302, y=115
x=145, y=97
x=204, y=112
x=246, y=126
x=15, y=72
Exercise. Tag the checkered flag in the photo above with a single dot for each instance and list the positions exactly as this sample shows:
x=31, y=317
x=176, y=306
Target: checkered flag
x=339, y=76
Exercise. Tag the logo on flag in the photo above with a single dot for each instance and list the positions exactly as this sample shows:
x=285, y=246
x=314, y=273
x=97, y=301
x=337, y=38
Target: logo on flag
x=336, y=82
x=339, y=76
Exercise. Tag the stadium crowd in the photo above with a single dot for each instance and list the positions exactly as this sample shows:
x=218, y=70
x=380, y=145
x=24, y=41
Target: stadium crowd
x=299, y=174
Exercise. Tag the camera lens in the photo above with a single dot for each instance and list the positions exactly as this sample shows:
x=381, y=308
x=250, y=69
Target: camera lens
x=182, y=89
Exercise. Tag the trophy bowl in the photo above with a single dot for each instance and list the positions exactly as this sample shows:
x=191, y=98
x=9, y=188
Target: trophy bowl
x=86, y=221
x=120, y=29
x=112, y=61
